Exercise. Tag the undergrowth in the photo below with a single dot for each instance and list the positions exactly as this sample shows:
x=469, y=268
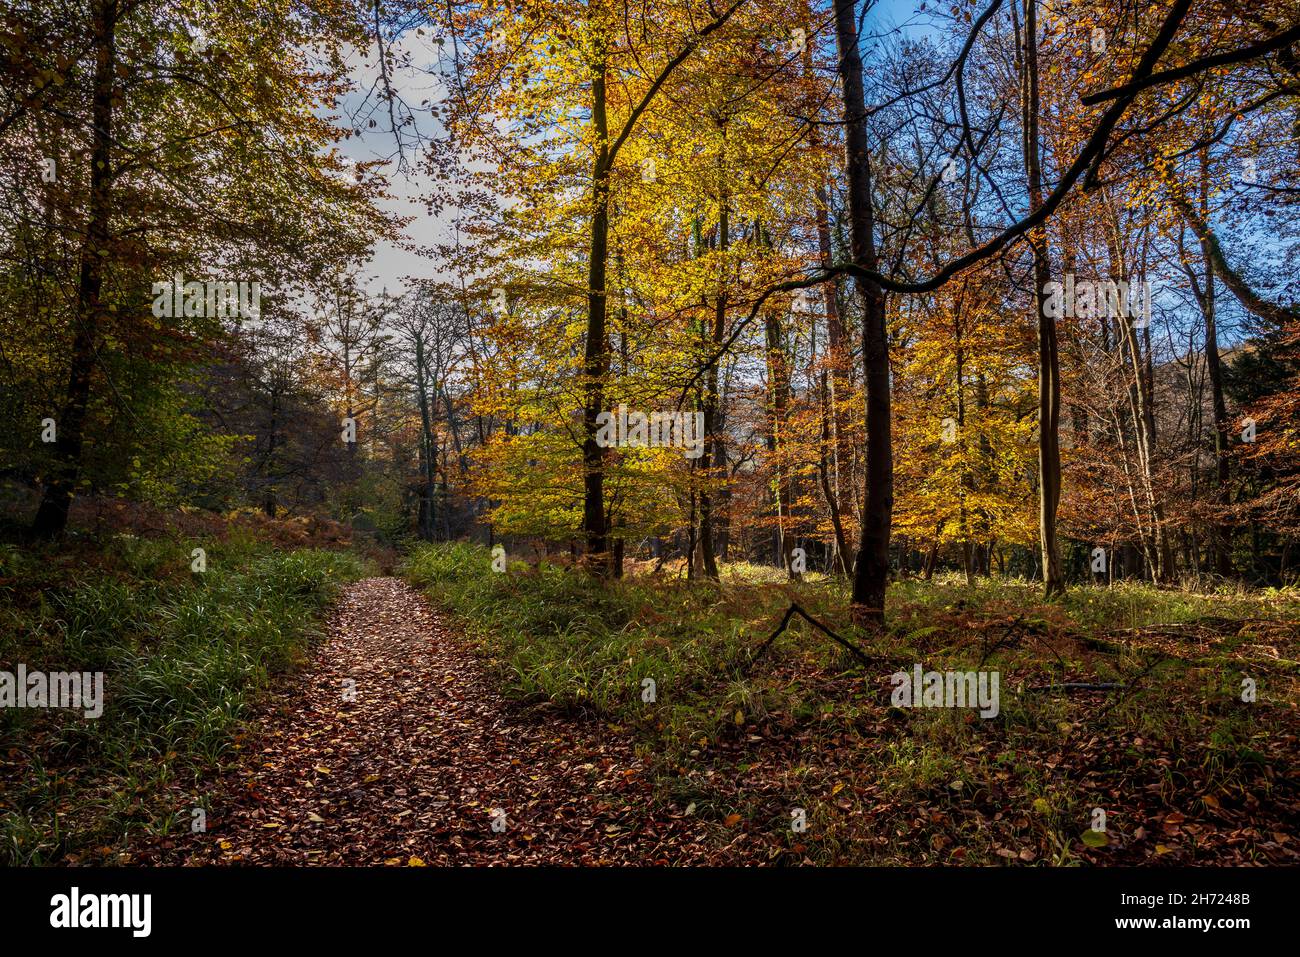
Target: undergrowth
x=809, y=727
x=185, y=655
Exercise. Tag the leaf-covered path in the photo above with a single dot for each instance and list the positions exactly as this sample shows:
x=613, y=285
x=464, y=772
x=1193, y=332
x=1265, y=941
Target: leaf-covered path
x=415, y=769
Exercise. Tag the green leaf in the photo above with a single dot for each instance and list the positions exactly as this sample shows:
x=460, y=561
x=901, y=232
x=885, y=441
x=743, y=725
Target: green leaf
x=1095, y=838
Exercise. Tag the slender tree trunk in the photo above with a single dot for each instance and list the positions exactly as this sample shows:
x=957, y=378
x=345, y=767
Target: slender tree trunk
x=967, y=483
x=268, y=494
x=52, y=515
x=712, y=439
x=778, y=378
x=691, y=529
x=1214, y=371
x=1049, y=368
x=871, y=574
x=616, y=522
x=1142, y=402
x=986, y=456
x=931, y=557
x=426, y=519
x=719, y=514
x=828, y=475
x=835, y=386
x=595, y=357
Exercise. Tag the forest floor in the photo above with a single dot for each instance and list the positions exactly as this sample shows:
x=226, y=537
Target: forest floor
x=435, y=762
x=537, y=716
x=1125, y=734
x=425, y=765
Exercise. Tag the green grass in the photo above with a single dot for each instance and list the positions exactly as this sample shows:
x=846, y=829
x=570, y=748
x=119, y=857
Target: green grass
x=810, y=728
x=558, y=638
x=185, y=656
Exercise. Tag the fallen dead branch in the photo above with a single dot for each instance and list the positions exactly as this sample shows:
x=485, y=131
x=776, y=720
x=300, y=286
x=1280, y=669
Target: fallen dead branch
x=793, y=610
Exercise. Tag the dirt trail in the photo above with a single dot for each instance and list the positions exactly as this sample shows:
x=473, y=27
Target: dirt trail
x=415, y=768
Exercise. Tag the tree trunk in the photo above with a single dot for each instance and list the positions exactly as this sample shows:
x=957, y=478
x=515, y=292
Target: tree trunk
x=52, y=515
x=871, y=574
x=931, y=557
x=1049, y=368
x=778, y=378
x=1142, y=403
x=619, y=547
x=273, y=432
x=712, y=439
x=596, y=359
x=836, y=453
x=1214, y=371
x=426, y=518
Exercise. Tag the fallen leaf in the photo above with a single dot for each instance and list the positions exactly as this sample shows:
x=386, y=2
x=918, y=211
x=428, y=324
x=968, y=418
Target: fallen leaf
x=1095, y=838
